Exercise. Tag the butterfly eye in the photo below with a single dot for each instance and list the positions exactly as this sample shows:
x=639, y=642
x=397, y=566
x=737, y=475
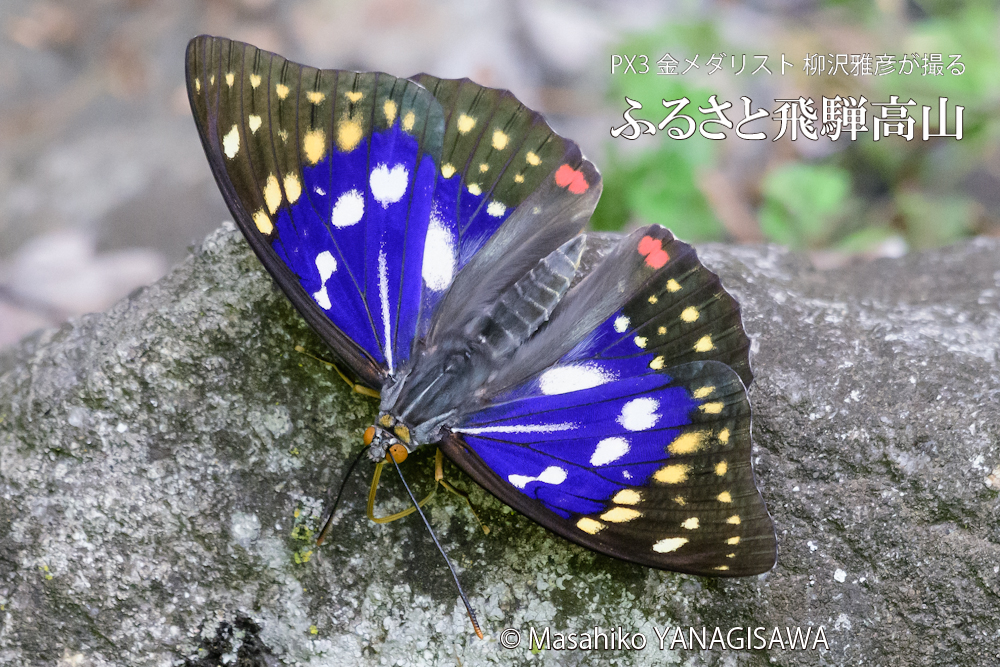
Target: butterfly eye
x=369, y=435
x=397, y=452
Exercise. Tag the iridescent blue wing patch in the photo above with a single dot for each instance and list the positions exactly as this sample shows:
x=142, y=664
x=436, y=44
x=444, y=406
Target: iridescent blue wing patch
x=631, y=435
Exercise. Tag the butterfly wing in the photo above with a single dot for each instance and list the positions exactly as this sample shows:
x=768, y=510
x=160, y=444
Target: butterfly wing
x=330, y=175
x=631, y=436
x=364, y=195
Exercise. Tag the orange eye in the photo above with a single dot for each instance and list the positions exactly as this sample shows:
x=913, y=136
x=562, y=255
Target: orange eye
x=397, y=452
x=369, y=435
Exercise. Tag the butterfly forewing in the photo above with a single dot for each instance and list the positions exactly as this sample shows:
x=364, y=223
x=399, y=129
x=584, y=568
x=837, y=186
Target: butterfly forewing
x=330, y=175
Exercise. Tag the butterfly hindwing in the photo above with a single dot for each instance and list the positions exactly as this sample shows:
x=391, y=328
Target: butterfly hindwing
x=512, y=190
x=624, y=439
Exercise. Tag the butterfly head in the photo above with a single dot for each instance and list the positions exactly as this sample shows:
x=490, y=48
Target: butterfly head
x=387, y=436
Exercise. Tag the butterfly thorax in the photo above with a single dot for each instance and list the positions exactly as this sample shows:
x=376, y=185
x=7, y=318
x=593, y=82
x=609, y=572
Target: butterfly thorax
x=443, y=380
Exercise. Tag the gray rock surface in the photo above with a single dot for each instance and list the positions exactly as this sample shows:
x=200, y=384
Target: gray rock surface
x=163, y=467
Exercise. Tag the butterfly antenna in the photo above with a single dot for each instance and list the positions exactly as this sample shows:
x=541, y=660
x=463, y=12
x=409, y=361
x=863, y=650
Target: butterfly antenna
x=468, y=606
x=333, y=510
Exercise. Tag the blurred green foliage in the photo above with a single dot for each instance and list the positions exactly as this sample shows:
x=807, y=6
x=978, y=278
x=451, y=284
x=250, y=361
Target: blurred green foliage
x=853, y=198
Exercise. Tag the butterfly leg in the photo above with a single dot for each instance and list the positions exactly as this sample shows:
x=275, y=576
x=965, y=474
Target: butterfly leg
x=439, y=479
x=359, y=388
x=398, y=515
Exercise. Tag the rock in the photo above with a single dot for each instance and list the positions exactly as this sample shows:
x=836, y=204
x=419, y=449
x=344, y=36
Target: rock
x=163, y=468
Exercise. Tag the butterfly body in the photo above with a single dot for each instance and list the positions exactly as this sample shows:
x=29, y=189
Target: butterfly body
x=430, y=231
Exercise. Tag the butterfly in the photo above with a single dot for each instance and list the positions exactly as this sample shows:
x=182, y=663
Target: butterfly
x=430, y=231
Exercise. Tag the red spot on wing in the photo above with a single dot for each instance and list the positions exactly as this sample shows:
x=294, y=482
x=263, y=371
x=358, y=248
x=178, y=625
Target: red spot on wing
x=571, y=179
x=653, y=250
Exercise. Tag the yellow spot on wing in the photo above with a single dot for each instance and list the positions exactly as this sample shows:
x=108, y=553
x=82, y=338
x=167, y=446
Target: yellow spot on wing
x=254, y=80
x=704, y=344
x=680, y=500
x=211, y=80
x=230, y=79
x=669, y=544
x=197, y=85
x=734, y=519
x=283, y=135
x=465, y=123
x=500, y=140
x=733, y=540
x=640, y=341
x=589, y=525
x=518, y=178
x=673, y=286
x=653, y=299
x=621, y=514
x=532, y=159
x=282, y=91
x=721, y=568
x=691, y=524
x=724, y=436
x=348, y=135
x=231, y=143
x=627, y=497
x=354, y=95
x=389, y=109
x=703, y=392
x=263, y=222
x=447, y=170
x=315, y=96
x=689, y=314
x=687, y=443
x=475, y=189
x=721, y=468
x=662, y=331
x=293, y=187
x=725, y=497
x=674, y=473
x=484, y=167
x=314, y=145
x=253, y=120
x=657, y=363
x=409, y=120
x=272, y=193
x=713, y=408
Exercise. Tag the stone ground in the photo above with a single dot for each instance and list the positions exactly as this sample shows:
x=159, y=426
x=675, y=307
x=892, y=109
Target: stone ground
x=163, y=467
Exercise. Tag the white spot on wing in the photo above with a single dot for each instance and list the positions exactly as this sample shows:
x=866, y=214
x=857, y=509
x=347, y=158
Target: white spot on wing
x=326, y=264
x=231, y=143
x=564, y=379
x=551, y=475
x=439, y=256
x=621, y=324
x=388, y=186
x=320, y=191
x=348, y=210
x=639, y=414
x=518, y=428
x=608, y=450
x=383, y=295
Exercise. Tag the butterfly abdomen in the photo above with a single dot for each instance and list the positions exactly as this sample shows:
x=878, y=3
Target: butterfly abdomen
x=527, y=304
